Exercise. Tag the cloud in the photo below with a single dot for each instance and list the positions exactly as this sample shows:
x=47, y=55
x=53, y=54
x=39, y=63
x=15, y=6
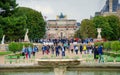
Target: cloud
x=40, y=6
x=44, y=9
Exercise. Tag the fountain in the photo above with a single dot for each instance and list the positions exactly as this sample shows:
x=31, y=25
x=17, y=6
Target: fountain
x=3, y=39
x=26, y=39
x=59, y=65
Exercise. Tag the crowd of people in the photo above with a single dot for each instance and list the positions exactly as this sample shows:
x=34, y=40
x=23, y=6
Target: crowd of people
x=59, y=47
x=29, y=51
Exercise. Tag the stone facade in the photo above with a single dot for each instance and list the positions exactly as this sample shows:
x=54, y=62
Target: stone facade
x=112, y=7
x=61, y=27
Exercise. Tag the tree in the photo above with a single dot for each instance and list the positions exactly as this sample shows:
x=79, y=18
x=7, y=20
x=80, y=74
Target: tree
x=34, y=21
x=1, y=30
x=7, y=7
x=101, y=22
x=13, y=28
x=87, y=29
x=114, y=23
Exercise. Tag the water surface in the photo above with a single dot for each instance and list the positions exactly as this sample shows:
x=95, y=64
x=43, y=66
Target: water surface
x=85, y=72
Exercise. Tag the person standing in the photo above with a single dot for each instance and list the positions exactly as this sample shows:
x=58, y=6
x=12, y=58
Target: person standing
x=84, y=49
x=26, y=52
x=52, y=49
x=29, y=51
x=76, y=49
x=96, y=53
x=34, y=50
x=100, y=51
x=43, y=49
x=63, y=51
x=23, y=51
x=81, y=48
x=71, y=47
x=57, y=50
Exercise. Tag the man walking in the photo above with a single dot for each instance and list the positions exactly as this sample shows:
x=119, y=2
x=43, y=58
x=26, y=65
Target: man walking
x=100, y=52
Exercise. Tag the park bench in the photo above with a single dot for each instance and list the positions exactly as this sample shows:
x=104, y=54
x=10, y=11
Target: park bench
x=21, y=59
x=11, y=59
x=117, y=59
x=110, y=59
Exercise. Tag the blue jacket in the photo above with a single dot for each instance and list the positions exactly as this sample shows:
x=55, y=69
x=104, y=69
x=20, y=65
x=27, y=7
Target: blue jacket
x=100, y=50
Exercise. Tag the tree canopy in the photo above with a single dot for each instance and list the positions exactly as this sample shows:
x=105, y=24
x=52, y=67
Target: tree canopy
x=14, y=26
x=101, y=22
x=114, y=23
x=110, y=26
x=7, y=7
x=87, y=29
x=34, y=22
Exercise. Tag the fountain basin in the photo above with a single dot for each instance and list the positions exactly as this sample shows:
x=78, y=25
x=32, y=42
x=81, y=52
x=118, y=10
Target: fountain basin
x=59, y=65
x=58, y=62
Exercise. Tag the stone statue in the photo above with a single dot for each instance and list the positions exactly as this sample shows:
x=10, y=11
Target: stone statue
x=99, y=33
x=3, y=39
x=26, y=39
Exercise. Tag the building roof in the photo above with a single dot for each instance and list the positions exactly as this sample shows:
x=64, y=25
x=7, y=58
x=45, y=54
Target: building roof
x=64, y=20
x=61, y=16
x=115, y=4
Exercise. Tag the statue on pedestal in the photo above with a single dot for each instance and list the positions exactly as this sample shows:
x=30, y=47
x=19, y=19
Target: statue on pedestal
x=26, y=39
x=99, y=33
x=3, y=39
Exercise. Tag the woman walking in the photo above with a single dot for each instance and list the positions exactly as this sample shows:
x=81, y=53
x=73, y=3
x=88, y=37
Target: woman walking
x=96, y=53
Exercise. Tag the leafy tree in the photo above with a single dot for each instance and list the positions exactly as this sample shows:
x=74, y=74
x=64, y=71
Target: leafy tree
x=114, y=23
x=101, y=22
x=1, y=30
x=34, y=20
x=7, y=7
x=13, y=28
x=77, y=34
x=87, y=29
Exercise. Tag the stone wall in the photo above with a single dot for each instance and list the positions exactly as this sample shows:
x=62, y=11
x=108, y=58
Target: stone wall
x=3, y=47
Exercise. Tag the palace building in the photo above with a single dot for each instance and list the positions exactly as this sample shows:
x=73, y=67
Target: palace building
x=111, y=7
x=61, y=27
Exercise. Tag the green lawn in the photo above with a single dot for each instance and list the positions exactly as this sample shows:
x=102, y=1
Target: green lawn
x=5, y=53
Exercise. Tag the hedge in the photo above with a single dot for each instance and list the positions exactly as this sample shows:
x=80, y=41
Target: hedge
x=107, y=45
x=110, y=45
x=115, y=45
x=17, y=46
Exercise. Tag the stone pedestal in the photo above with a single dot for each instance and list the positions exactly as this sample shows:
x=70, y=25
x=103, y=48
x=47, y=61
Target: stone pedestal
x=3, y=47
x=59, y=65
x=61, y=70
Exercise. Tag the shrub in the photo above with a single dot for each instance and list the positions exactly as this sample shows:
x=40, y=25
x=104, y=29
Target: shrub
x=115, y=45
x=98, y=43
x=27, y=44
x=16, y=46
x=107, y=45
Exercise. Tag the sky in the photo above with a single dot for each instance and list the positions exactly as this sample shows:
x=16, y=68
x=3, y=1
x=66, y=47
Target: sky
x=73, y=9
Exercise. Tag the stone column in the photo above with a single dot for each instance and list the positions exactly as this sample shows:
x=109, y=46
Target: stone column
x=110, y=5
x=61, y=70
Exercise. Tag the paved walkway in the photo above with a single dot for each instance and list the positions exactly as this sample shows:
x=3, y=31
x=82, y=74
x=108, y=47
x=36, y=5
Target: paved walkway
x=39, y=55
